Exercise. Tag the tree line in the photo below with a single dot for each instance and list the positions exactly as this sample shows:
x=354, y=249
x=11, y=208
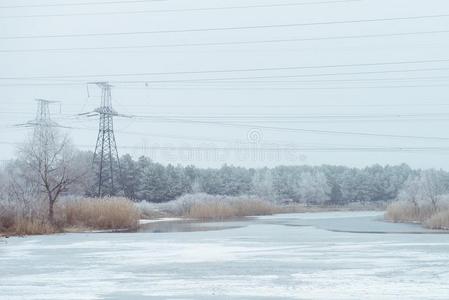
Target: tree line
x=142, y=179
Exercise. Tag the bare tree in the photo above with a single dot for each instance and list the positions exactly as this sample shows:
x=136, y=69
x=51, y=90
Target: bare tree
x=49, y=157
x=412, y=192
x=434, y=184
x=22, y=189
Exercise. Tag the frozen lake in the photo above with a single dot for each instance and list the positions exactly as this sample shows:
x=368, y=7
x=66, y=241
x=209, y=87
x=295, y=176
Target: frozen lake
x=339, y=255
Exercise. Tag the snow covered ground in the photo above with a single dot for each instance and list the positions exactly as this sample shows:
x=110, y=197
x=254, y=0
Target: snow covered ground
x=277, y=257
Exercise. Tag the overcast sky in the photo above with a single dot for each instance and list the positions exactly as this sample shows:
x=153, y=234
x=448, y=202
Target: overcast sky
x=396, y=95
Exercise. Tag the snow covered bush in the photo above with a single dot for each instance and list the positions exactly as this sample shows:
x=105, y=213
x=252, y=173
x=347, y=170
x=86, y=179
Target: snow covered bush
x=149, y=210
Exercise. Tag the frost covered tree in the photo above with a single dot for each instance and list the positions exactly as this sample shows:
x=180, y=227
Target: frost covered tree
x=177, y=182
x=152, y=183
x=82, y=163
x=130, y=175
x=234, y=180
x=411, y=192
x=356, y=186
x=425, y=188
x=433, y=185
x=286, y=183
x=314, y=188
x=227, y=180
x=262, y=183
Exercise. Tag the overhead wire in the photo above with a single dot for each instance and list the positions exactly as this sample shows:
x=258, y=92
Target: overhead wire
x=195, y=9
x=269, y=149
x=305, y=130
x=259, y=115
x=149, y=1
x=246, y=70
x=295, y=88
x=77, y=3
x=424, y=103
x=292, y=25
x=286, y=76
x=179, y=45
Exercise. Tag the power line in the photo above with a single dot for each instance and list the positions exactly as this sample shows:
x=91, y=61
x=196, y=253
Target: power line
x=288, y=149
x=296, y=88
x=198, y=9
x=273, y=41
x=202, y=87
x=76, y=4
x=304, y=116
x=224, y=28
x=286, y=129
x=313, y=119
x=337, y=80
x=239, y=70
x=271, y=149
x=270, y=116
x=293, y=105
x=317, y=131
x=422, y=104
x=264, y=82
x=287, y=76
x=184, y=137
x=270, y=119
x=256, y=122
x=305, y=149
x=262, y=146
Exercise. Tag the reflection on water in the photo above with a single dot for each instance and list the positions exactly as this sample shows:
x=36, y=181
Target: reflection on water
x=187, y=226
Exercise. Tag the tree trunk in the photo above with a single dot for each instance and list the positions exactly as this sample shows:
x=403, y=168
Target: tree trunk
x=51, y=218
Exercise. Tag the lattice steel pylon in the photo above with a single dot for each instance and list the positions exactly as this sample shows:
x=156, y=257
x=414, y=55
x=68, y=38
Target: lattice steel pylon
x=42, y=124
x=106, y=159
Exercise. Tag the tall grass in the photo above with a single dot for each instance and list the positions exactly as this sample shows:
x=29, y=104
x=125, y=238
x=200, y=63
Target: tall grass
x=96, y=213
x=32, y=226
x=439, y=220
x=24, y=218
x=220, y=210
x=423, y=213
x=14, y=224
x=403, y=211
x=70, y=215
x=211, y=207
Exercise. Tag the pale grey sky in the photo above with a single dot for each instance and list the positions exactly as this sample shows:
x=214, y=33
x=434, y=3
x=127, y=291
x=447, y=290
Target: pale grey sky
x=390, y=100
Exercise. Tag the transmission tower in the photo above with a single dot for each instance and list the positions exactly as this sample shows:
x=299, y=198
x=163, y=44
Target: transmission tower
x=106, y=159
x=42, y=123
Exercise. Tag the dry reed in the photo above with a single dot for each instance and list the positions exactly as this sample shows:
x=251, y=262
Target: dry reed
x=438, y=221
x=99, y=213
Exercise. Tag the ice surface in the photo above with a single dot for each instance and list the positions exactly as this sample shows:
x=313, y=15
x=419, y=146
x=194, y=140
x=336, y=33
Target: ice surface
x=276, y=257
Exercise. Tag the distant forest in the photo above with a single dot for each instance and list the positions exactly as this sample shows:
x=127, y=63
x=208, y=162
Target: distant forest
x=143, y=179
